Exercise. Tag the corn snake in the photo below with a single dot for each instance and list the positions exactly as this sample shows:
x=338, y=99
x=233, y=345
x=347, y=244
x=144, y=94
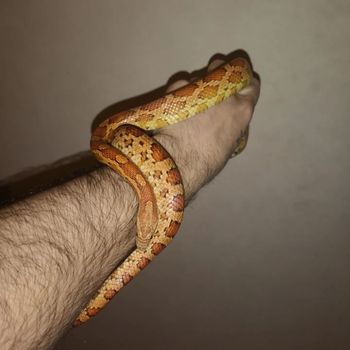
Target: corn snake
x=121, y=142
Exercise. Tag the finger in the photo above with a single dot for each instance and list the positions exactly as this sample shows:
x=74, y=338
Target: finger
x=182, y=82
x=214, y=64
x=251, y=92
x=176, y=85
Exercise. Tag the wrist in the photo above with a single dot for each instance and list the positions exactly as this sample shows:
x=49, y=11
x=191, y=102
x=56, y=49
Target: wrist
x=113, y=203
x=111, y=208
x=192, y=168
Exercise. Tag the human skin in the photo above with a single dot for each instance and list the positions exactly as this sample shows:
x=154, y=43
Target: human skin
x=50, y=242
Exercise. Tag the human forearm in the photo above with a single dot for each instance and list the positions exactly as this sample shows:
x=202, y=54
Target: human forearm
x=56, y=249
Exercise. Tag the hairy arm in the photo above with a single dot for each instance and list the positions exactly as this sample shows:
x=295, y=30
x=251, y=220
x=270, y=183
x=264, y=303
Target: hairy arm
x=56, y=248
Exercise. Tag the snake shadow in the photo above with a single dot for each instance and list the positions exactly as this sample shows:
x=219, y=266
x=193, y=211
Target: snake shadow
x=41, y=178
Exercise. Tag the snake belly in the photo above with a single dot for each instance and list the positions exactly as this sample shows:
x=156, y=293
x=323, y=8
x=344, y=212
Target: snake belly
x=122, y=143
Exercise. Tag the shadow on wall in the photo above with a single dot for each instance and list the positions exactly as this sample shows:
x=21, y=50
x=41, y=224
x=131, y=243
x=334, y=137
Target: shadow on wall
x=35, y=180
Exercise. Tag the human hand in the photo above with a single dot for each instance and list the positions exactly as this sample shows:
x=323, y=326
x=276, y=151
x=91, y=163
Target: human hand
x=202, y=145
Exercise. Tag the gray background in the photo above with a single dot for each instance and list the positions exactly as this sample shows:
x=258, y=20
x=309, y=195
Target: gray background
x=262, y=260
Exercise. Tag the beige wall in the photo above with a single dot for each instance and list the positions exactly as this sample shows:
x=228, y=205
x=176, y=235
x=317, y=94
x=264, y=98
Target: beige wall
x=262, y=261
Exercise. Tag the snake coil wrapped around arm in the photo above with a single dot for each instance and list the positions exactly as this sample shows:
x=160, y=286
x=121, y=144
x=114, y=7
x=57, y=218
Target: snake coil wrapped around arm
x=122, y=143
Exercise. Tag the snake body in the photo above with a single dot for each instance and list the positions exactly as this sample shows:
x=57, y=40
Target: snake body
x=121, y=142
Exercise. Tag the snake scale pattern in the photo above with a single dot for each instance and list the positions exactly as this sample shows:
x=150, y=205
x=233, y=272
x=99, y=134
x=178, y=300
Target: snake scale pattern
x=122, y=143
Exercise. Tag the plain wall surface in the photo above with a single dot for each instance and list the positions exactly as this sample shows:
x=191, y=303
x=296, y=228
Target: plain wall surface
x=262, y=260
